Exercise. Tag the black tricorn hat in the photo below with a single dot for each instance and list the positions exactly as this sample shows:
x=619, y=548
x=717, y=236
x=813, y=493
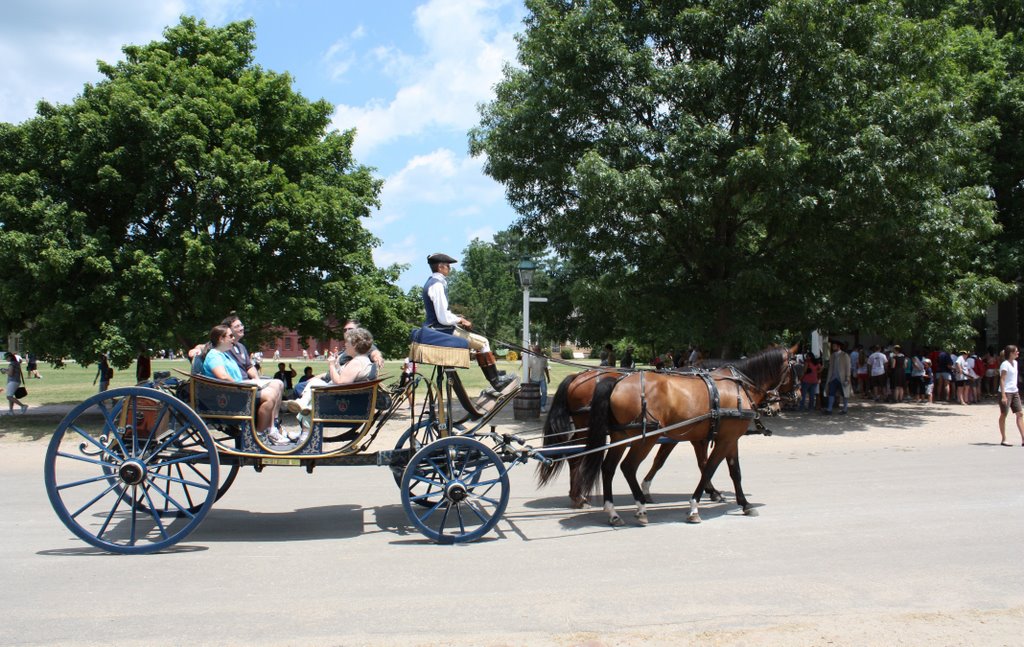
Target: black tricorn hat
x=440, y=258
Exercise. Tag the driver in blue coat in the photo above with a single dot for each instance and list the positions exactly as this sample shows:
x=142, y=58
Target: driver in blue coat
x=440, y=318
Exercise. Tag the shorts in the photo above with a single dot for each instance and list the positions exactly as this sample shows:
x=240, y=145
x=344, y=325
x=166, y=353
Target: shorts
x=1012, y=404
x=878, y=381
x=944, y=375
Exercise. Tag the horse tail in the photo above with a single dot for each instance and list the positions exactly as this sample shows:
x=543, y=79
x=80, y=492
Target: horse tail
x=600, y=415
x=556, y=429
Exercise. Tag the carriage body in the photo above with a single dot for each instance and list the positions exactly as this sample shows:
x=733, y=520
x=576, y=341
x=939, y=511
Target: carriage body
x=136, y=469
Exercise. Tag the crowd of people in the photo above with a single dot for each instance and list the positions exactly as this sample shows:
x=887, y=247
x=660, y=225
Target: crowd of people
x=923, y=375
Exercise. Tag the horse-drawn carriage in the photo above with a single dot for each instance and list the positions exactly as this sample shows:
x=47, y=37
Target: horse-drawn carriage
x=136, y=469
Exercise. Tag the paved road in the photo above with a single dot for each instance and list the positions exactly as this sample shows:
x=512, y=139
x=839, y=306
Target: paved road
x=888, y=526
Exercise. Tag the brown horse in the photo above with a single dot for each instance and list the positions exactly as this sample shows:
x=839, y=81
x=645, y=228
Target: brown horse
x=680, y=407
x=566, y=424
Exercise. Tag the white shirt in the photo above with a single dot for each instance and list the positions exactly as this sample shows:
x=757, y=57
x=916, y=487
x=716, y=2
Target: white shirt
x=1008, y=376
x=972, y=368
x=877, y=361
x=961, y=361
x=437, y=296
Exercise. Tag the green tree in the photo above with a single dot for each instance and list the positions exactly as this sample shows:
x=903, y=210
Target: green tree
x=989, y=45
x=187, y=183
x=715, y=171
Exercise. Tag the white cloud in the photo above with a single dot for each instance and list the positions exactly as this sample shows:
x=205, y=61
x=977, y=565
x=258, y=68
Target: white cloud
x=441, y=178
x=403, y=252
x=339, y=57
x=466, y=46
x=49, y=48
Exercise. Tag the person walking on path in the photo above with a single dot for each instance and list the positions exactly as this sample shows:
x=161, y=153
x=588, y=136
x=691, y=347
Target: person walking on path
x=32, y=367
x=1009, y=395
x=15, y=379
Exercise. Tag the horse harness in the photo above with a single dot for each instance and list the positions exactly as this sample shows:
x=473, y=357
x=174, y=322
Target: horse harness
x=649, y=424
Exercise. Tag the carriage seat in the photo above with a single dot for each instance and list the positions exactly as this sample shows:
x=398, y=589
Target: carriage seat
x=223, y=400
x=345, y=403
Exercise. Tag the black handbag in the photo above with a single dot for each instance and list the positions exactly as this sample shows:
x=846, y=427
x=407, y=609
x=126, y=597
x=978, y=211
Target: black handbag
x=20, y=392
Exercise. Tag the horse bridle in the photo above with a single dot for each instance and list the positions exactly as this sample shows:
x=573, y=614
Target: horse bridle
x=772, y=403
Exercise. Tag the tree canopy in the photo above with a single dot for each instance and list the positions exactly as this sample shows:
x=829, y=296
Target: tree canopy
x=718, y=171
x=188, y=183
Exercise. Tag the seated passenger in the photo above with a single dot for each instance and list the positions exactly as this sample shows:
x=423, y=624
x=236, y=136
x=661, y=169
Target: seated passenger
x=307, y=375
x=270, y=389
x=358, y=342
x=221, y=365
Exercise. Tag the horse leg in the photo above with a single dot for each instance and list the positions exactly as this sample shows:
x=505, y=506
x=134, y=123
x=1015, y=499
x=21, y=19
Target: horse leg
x=577, y=498
x=636, y=455
x=611, y=461
x=717, y=454
x=733, y=461
x=700, y=450
x=659, y=462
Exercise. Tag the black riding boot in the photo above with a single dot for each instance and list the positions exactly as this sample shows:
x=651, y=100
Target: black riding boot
x=498, y=381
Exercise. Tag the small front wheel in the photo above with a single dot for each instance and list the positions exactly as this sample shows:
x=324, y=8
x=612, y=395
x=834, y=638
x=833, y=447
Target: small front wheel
x=466, y=485
x=132, y=470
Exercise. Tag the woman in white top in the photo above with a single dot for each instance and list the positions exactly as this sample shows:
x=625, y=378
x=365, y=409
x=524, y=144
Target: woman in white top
x=358, y=342
x=1009, y=395
x=15, y=378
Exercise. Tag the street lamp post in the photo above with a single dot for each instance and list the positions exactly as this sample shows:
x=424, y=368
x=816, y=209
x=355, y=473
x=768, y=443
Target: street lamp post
x=524, y=273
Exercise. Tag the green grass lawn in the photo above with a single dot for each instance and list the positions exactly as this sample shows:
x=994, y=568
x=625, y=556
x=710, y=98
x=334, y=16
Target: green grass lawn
x=73, y=383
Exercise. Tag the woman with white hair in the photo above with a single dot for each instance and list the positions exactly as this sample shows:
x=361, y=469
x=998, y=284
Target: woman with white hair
x=358, y=342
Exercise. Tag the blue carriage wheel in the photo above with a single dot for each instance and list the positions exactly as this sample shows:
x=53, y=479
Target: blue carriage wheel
x=468, y=484
x=414, y=439
x=228, y=472
x=132, y=470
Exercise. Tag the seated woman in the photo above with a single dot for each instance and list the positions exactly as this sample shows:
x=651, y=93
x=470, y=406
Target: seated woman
x=358, y=342
x=220, y=365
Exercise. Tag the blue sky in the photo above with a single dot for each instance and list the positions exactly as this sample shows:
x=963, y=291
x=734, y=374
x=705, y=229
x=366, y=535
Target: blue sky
x=408, y=75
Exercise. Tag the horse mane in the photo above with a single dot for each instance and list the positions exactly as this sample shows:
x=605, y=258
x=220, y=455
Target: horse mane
x=763, y=368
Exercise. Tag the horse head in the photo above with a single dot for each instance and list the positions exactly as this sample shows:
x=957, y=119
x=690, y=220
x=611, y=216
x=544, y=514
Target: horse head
x=770, y=373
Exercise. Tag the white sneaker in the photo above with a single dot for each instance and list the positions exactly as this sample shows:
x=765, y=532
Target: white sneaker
x=24, y=408
x=275, y=437
x=293, y=406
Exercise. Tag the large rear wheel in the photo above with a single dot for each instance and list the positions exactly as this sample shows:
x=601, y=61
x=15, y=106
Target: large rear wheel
x=132, y=470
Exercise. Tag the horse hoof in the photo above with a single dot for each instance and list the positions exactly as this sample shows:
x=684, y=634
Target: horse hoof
x=616, y=521
x=718, y=497
x=750, y=512
x=641, y=519
x=693, y=518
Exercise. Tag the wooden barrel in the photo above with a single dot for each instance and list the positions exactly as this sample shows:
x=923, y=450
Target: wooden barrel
x=526, y=405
